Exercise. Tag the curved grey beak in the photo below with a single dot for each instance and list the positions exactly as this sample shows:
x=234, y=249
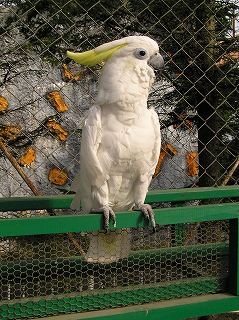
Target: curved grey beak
x=156, y=61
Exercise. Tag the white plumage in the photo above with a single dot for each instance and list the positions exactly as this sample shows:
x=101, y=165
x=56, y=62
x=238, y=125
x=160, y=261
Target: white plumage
x=120, y=142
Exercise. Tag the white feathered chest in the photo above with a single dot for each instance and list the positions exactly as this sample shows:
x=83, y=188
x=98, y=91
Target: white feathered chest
x=131, y=144
x=127, y=126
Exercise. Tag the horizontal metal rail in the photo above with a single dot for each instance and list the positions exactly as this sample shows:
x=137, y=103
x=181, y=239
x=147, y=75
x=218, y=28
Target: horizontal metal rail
x=178, y=309
x=173, y=195
x=93, y=222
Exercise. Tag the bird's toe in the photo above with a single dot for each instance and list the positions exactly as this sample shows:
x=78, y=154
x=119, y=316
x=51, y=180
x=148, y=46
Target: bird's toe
x=148, y=213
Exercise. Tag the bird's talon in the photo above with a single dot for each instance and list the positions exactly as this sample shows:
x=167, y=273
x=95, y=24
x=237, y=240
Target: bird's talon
x=108, y=214
x=112, y=216
x=148, y=213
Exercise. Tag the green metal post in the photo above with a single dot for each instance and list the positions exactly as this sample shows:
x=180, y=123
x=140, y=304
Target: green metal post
x=234, y=257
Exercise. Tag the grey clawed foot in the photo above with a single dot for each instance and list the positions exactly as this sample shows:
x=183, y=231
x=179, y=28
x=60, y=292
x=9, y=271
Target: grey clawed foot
x=108, y=214
x=148, y=213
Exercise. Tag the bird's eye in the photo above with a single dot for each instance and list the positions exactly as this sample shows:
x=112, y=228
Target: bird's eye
x=141, y=54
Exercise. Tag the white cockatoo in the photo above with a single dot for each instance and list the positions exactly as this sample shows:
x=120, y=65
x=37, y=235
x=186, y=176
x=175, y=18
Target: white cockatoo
x=121, y=140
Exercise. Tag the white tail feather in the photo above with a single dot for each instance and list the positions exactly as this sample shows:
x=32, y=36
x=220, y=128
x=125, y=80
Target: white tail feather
x=108, y=247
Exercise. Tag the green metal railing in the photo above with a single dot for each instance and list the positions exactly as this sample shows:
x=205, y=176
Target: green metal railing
x=133, y=299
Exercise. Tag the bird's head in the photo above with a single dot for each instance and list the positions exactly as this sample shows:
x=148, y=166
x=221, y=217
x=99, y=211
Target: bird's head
x=128, y=73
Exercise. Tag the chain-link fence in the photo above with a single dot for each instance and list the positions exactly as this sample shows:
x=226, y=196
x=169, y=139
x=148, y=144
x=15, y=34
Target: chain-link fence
x=44, y=96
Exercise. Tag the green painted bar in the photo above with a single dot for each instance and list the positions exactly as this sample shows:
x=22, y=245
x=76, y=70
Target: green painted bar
x=180, y=312
x=102, y=299
x=35, y=203
x=92, y=222
x=179, y=309
x=236, y=243
x=234, y=257
x=173, y=195
x=187, y=194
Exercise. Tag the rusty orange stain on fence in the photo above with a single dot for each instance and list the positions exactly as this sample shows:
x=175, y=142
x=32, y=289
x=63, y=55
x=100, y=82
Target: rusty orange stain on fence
x=57, y=129
x=28, y=157
x=233, y=55
x=58, y=176
x=192, y=163
x=3, y=104
x=10, y=132
x=57, y=101
x=67, y=73
x=167, y=149
x=185, y=124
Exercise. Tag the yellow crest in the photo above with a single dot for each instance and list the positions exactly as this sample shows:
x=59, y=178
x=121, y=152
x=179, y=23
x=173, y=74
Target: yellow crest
x=92, y=57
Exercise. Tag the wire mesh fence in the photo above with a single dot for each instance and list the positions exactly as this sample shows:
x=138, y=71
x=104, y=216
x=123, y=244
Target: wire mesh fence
x=161, y=266
x=45, y=97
